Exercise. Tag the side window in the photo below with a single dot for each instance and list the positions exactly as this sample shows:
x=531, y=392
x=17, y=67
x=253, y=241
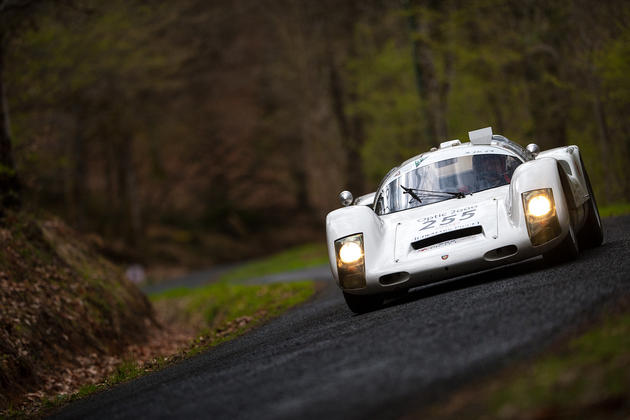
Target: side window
x=378, y=208
x=511, y=165
x=494, y=170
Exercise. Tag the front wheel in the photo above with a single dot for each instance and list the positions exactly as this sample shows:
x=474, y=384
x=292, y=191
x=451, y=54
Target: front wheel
x=361, y=304
x=568, y=250
x=592, y=234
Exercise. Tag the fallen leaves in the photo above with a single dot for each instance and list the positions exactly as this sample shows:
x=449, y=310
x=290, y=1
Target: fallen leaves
x=71, y=324
x=64, y=322
x=162, y=345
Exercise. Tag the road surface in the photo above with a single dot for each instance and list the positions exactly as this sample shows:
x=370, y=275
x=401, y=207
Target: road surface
x=321, y=361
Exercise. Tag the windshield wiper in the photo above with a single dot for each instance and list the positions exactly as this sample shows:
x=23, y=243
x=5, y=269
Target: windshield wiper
x=412, y=192
x=457, y=194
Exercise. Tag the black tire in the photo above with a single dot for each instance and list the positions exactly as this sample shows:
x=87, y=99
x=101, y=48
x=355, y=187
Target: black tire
x=398, y=294
x=592, y=234
x=568, y=250
x=361, y=304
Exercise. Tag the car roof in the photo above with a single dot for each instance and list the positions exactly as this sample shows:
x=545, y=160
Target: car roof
x=448, y=152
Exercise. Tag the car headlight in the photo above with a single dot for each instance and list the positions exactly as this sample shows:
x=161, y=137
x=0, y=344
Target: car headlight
x=538, y=206
x=350, y=252
x=351, y=261
x=540, y=215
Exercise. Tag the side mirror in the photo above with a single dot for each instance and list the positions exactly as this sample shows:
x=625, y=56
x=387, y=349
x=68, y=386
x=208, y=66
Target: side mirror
x=346, y=198
x=533, y=149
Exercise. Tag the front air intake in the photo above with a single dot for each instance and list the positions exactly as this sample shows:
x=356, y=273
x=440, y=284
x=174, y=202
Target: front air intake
x=448, y=236
x=500, y=253
x=394, y=278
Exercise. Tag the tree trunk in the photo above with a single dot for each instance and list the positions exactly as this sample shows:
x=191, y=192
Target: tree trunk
x=128, y=191
x=420, y=75
x=497, y=110
x=604, y=136
x=432, y=89
x=79, y=171
x=9, y=182
x=350, y=129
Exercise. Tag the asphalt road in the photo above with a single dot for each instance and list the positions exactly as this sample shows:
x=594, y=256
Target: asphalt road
x=320, y=361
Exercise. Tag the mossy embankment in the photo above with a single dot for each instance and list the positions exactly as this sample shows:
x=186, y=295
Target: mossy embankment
x=59, y=301
x=71, y=324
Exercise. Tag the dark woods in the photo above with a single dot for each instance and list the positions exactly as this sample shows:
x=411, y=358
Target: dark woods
x=238, y=119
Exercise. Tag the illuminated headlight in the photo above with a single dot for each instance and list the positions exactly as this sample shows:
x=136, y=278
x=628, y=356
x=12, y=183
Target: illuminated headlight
x=350, y=252
x=540, y=215
x=538, y=206
x=351, y=261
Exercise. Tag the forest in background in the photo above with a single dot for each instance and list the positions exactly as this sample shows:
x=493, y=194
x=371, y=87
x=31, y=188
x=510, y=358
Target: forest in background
x=231, y=126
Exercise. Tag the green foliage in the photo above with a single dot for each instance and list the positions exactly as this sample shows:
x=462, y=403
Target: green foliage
x=198, y=115
x=546, y=73
x=6, y=171
x=591, y=369
x=614, y=66
x=126, y=371
x=223, y=311
x=584, y=377
x=617, y=209
x=87, y=81
x=303, y=256
x=387, y=103
x=111, y=52
x=89, y=389
x=222, y=303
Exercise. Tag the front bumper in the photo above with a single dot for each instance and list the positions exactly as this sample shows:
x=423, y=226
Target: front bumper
x=454, y=258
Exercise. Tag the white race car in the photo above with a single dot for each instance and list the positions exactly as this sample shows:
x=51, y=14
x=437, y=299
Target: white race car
x=460, y=208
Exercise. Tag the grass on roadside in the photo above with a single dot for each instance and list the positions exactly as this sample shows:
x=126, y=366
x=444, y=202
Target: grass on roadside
x=588, y=377
x=221, y=311
x=126, y=371
x=215, y=306
x=617, y=209
x=591, y=372
x=304, y=256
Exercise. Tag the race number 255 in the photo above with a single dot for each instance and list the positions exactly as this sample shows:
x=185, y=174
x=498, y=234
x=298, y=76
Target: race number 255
x=447, y=220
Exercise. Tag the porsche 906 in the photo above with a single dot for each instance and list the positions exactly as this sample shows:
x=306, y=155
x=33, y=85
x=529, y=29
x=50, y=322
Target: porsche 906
x=457, y=209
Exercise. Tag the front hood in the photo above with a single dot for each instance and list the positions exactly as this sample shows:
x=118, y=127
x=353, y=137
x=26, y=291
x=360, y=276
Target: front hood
x=471, y=217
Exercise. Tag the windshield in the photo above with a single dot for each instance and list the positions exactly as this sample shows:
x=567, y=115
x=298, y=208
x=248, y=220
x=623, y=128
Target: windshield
x=446, y=179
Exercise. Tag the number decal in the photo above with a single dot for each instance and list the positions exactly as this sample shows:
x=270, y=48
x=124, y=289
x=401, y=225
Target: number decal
x=468, y=214
x=455, y=216
x=428, y=224
x=447, y=219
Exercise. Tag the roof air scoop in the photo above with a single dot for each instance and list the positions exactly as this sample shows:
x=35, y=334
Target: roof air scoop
x=481, y=136
x=450, y=143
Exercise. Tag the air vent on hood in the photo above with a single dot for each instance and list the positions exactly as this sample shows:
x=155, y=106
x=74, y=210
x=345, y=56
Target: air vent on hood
x=455, y=234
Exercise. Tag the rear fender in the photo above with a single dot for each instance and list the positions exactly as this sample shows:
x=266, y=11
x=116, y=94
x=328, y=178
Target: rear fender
x=568, y=158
